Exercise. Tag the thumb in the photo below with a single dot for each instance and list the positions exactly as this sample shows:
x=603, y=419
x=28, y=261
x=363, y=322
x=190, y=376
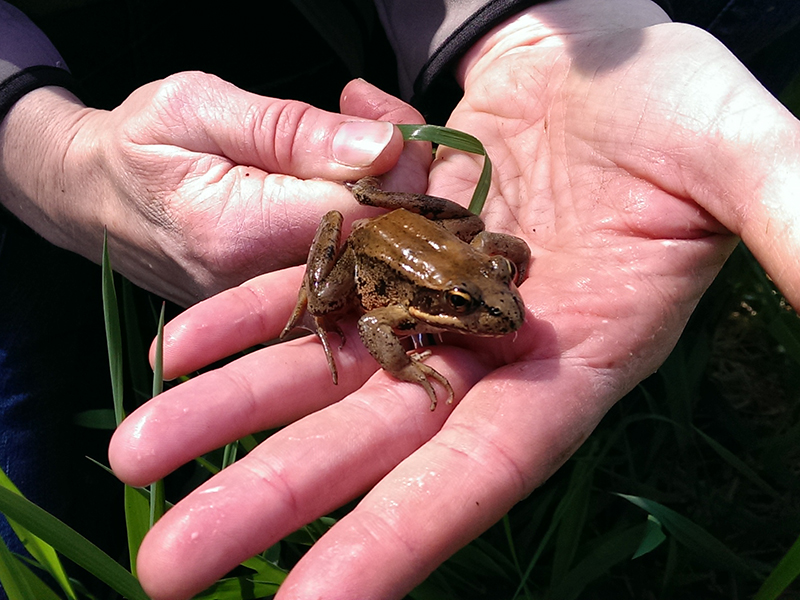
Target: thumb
x=202, y=113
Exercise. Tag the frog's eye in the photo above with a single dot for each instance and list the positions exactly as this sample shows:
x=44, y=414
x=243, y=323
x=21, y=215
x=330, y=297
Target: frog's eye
x=460, y=300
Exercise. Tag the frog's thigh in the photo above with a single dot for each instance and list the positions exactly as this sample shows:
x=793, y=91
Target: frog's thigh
x=330, y=272
x=513, y=248
x=366, y=191
x=324, y=248
x=337, y=289
x=376, y=331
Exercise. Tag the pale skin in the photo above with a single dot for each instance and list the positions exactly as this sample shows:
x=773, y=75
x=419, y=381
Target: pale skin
x=629, y=153
x=198, y=182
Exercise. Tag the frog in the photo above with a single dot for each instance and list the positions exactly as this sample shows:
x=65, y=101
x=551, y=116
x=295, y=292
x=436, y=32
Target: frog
x=426, y=266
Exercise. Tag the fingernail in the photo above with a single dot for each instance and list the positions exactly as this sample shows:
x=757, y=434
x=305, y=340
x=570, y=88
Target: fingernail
x=359, y=143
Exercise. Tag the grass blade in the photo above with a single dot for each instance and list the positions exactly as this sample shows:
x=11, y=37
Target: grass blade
x=158, y=366
x=782, y=576
x=692, y=536
x=444, y=136
x=264, y=582
x=18, y=581
x=137, y=521
x=42, y=552
x=157, y=499
x=229, y=455
x=265, y=570
x=238, y=588
x=113, y=332
x=98, y=418
x=653, y=537
x=71, y=544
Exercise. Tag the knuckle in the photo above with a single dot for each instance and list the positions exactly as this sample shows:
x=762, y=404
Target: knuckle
x=282, y=123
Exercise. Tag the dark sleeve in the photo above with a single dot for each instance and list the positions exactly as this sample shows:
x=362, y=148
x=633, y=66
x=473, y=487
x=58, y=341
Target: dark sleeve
x=27, y=59
x=428, y=38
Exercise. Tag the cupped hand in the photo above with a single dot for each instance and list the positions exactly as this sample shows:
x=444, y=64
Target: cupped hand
x=200, y=184
x=629, y=153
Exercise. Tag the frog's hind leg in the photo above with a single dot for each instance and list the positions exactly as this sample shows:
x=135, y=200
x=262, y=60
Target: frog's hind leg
x=320, y=325
x=327, y=287
x=299, y=313
x=513, y=248
x=323, y=327
x=451, y=215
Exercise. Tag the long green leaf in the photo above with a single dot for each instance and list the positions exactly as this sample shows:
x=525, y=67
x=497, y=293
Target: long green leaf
x=692, y=536
x=42, y=552
x=264, y=582
x=158, y=366
x=266, y=571
x=157, y=499
x=653, y=537
x=19, y=581
x=229, y=454
x=458, y=140
x=113, y=332
x=97, y=418
x=782, y=576
x=70, y=543
x=137, y=521
x=238, y=588
x=12, y=576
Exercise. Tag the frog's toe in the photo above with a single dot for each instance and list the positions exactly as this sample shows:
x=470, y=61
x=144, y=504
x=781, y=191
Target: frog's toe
x=418, y=372
x=324, y=326
x=441, y=379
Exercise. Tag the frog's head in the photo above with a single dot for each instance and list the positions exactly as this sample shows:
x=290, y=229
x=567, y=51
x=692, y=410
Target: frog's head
x=485, y=303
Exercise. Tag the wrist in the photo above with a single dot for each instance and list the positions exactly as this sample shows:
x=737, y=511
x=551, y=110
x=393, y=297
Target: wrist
x=37, y=181
x=553, y=23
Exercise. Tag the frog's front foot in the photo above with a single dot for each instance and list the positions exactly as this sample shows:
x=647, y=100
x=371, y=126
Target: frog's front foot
x=376, y=329
x=418, y=372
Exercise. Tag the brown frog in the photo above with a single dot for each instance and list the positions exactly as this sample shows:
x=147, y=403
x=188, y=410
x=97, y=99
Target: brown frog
x=427, y=266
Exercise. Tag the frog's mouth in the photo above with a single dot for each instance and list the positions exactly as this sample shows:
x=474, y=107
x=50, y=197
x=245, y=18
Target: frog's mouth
x=485, y=321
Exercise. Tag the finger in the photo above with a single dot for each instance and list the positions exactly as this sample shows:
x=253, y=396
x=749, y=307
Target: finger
x=279, y=486
x=232, y=321
x=257, y=392
x=362, y=99
x=489, y=454
x=202, y=113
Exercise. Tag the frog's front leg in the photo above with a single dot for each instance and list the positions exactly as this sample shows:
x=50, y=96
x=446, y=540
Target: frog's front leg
x=328, y=286
x=377, y=330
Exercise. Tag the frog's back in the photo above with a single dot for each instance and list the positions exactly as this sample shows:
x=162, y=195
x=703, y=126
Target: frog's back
x=413, y=248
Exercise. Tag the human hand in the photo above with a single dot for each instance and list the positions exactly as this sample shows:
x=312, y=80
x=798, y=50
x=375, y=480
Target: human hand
x=200, y=184
x=628, y=153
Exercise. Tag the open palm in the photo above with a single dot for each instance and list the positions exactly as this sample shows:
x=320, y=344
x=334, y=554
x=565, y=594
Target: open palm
x=626, y=162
